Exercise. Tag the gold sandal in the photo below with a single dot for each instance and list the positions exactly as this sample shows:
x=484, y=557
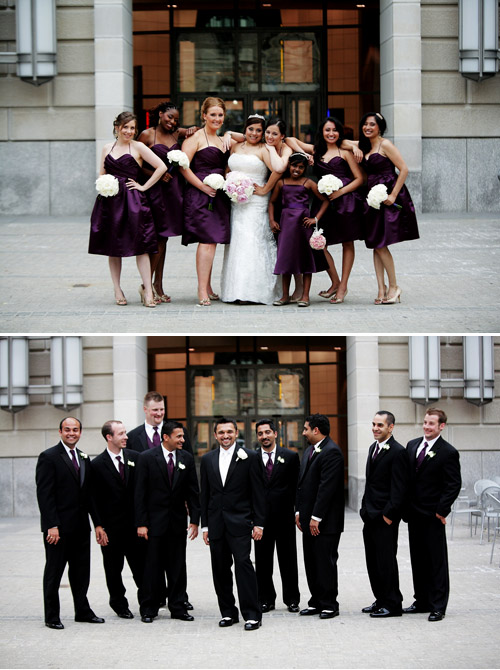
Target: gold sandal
x=142, y=291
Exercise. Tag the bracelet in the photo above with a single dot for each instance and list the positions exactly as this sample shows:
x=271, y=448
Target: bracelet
x=316, y=219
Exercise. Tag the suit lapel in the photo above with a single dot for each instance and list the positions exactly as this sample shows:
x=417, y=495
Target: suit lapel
x=232, y=465
x=162, y=464
x=214, y=461
x=369, y=461
x=68, y=462
x=178, y=460
x=304, y=463
x=144, y=439
x=427, y=459
x=110, y=466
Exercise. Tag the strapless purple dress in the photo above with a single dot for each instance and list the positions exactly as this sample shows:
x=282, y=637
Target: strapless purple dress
x=387, y=225
x=165, y=199
x=342, y=221
x=295, y=256
x=122, y=225
x=200, y=223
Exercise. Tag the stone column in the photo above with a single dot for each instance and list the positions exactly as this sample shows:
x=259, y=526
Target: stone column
x=362, y=403
x=114, y=77
x=401, y=85
x=130, y=378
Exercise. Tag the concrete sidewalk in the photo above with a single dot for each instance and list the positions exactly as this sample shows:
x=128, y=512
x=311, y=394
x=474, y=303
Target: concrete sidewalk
x=49, y=283
x=466, y=638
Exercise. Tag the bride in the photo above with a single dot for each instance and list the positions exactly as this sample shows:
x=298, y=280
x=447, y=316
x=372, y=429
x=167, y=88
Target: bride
x=249, y=260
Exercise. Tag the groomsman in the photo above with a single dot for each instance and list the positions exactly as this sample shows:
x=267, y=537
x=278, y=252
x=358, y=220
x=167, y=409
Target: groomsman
x=113, y=486
x=387, y=479
x=435, y=483
x=278, y=480
x=166, y=485
x=232, y=512
x=63, y=493
x=319, y=514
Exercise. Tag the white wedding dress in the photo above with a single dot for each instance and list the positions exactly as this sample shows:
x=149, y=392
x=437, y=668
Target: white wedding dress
x=249, y=260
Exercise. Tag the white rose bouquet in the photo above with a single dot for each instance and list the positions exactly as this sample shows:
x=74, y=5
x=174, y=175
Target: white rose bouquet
x=238, y=187
x=215, y=181
x=329, y=183
x=177, y=158
x=377, y=195
x=107, y=185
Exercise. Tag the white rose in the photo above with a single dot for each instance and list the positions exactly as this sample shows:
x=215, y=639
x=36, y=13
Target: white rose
x=215, y=181
x=241, y=454
x=182, y=466
x=107, y=185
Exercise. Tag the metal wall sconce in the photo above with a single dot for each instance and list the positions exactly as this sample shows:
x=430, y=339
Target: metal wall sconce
x=36, y=40
x=478, y=38
x=14, y=373
x=66, y=372
x=424, y=368
x=479, y=369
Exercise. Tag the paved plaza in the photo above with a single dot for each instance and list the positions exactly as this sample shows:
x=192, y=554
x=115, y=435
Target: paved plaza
x=466, y=638
x=50, y=284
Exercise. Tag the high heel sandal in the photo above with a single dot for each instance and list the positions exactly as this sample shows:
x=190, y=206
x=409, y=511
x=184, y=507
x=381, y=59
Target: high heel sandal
x=142, y=292
x=337, y=301
x=327, y=295
x=121, y=301
x=203, y=302
x=396, y=297
x=213, y=296
x=378, y=301
x=160, y=298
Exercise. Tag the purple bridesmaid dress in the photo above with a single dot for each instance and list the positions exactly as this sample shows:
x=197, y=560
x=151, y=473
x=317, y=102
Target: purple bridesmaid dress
x=165, y=199
x=342, y=222
x=200, y=223
x=295, y=256
x=387, y=225
x=122, y=225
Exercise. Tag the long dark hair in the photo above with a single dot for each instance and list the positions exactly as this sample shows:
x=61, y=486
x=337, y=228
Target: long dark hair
x=320, y=146
x=364, y=143
x=252, y=120
x=154, y=113
x=277, y=122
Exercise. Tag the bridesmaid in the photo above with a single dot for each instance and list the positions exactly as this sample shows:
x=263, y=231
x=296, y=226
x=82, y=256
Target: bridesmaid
x=387, y=225
x=122, y=225
x=342, y=221
x=165, y=197
x=209, y=227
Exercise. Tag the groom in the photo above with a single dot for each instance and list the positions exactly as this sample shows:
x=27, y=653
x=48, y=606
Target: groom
x=232, y=513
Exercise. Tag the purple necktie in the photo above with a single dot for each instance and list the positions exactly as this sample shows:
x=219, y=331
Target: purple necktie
x=269, y=466
x=311, y=453
x=156, y=437
x=421, y=456
x=121, y=467
x=75, y=462
x=170, y=468
x=375, y=451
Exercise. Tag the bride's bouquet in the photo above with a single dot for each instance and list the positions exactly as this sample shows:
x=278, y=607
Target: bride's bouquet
x=177, y=158
x=107, y=185
x=215, y=181
x=238, y=187
x=377, y=195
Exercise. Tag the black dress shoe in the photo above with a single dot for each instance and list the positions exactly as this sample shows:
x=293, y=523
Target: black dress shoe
x=436, y=616
x=147, y=618
x=414, y=609
x=371, y=608
x=253, y=625
x=125, y=614
x=267, y=607
x=294, y=607
x=325, y=614
x=90, y=619
x=384, y=613
x=188, y=605
x=57, y=625
x=182, y=617
x=228, y=621
x=309, y=611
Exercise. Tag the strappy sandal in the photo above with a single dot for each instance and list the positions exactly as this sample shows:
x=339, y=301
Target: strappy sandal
x=160, y=298
x=203, y=302
x=142, y=293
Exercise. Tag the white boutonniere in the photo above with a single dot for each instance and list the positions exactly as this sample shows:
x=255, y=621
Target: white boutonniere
x=131, y=464
x=181, y=466
x=281, y=459
x=83, y=455
x=241, y=454
x=317, y=449
x=430, y=454
x=386, y=446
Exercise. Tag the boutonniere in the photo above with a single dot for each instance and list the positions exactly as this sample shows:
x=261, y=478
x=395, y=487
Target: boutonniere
x=317, y=449
x=181, y=466
x=430, y=454
x=386, y=446
x=241, y=454
x=83, y=455
x=281, y=459
x=131, y=464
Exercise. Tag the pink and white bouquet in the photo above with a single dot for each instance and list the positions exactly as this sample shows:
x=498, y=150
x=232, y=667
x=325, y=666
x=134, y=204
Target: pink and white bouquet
x=215, y=181
x=238, y=187
x=377, y=195
x=177, y=158
x=317, y=240
x=107, y=185
x=329, y=183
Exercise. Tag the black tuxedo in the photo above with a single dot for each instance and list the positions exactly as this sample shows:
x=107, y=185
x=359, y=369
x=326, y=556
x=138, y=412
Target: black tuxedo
x=320, y=493
x=279, y=494
x=161, y=507
x=64, y=501
x=433, y=490
x=387, y=479
x=114, y=500
x=230, y=512
x=138, y=439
